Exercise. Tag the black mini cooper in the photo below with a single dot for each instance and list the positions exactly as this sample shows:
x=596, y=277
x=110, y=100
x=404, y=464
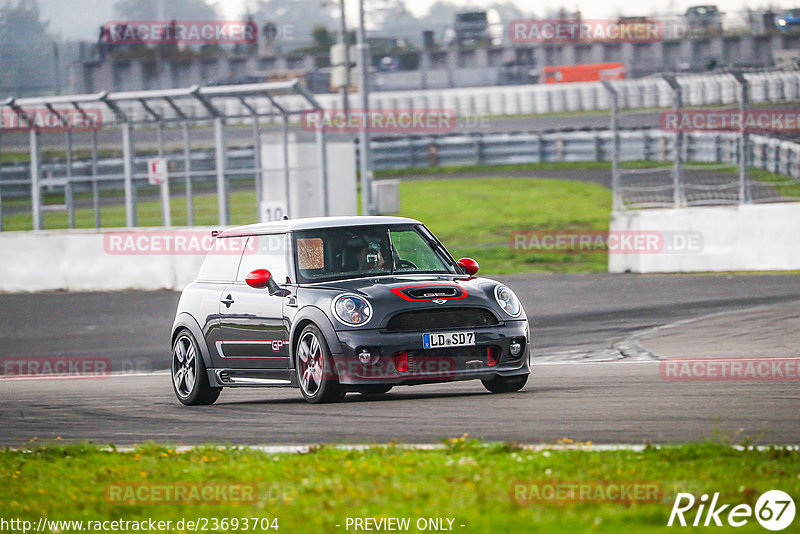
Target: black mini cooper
x=340, y=304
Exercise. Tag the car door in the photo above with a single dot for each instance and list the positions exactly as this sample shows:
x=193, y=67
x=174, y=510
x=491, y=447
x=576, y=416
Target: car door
x=217, y=273
x=254, y=334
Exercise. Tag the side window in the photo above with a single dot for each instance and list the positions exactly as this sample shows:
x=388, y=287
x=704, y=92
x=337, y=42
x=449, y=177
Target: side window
x=265, y=252
x=222, y=260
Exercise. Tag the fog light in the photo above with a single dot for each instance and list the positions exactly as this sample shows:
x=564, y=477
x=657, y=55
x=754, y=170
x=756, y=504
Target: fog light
x=364, y=356
x=515, y=348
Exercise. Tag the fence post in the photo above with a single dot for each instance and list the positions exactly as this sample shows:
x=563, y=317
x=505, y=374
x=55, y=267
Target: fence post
x=616, y=193
x=127, y=173
x=322, y=156
x=187, y=173
x=166, y=215
x=542, y=151
x=222, y=186
x=287, y=183
x=259, y=174
x=69, y=199
x=95, y=184
x=36, y=169
x=678, y=198
x=744, y=139
x=598, y=148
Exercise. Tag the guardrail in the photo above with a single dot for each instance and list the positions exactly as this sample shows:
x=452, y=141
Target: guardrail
x=643, y=187
x=769, y=154
x=708, y=174
x=651, y=92
x=443, y=150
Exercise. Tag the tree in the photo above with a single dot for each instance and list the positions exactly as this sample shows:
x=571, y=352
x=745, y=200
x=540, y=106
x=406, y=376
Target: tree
x=323, y=39
x=26, y=51
x=296, y=19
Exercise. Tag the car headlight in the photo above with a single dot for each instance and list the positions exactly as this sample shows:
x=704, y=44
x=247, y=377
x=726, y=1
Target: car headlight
x=508, y=301
x=781, y=22
x=352, y=310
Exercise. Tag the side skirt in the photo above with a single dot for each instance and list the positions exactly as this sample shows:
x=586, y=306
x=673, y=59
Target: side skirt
x=251, y=377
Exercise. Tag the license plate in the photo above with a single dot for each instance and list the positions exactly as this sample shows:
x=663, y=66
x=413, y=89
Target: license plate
x=448, y=339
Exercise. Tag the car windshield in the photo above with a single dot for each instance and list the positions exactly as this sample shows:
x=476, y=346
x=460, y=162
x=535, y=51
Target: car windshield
x=326, y=254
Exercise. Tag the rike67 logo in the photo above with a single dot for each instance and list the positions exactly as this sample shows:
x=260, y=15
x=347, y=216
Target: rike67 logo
x=774, y=510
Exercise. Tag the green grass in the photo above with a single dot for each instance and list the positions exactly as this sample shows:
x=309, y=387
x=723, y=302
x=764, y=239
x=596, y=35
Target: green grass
x=473, y=217
x=469, y=481
x=476, y=217
x=784, y=185
x=242, y=210
x=540, y=167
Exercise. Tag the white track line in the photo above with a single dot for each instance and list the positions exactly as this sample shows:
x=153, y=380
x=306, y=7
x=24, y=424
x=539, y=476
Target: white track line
x=82, y=377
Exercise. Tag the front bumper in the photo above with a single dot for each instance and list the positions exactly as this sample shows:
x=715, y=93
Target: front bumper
x=425, y=366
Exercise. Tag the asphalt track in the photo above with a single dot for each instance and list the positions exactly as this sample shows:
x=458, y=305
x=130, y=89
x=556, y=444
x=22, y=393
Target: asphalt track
x=583, y=387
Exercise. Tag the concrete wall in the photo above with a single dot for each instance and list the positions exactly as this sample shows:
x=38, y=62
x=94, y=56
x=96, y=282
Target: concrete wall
x=451, y=68
x=87, y=260
x=762, y=237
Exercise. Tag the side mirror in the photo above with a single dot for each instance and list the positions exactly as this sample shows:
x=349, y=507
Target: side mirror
x=469, y=265
x=259, y=278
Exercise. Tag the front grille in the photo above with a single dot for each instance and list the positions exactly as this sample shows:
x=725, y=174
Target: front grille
x=443, y=319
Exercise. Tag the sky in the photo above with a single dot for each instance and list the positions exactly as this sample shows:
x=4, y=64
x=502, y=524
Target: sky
x=71, y=23
x=589, y=8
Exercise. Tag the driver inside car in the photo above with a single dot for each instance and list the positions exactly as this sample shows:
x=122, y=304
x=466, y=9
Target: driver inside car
x=370, y=257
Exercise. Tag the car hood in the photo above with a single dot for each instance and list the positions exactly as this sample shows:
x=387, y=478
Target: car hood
x=391, y=294
x=428, y=286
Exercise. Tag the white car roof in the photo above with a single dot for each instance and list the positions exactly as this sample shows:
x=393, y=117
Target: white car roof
x=314, y=222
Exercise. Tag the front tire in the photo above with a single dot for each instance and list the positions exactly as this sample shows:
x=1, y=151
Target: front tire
x=314, y=367
x=189, y=377
x=505, y=384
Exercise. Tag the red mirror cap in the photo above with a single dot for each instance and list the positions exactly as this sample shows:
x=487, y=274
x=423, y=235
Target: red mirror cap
x=258, y=279
x=470, y=266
